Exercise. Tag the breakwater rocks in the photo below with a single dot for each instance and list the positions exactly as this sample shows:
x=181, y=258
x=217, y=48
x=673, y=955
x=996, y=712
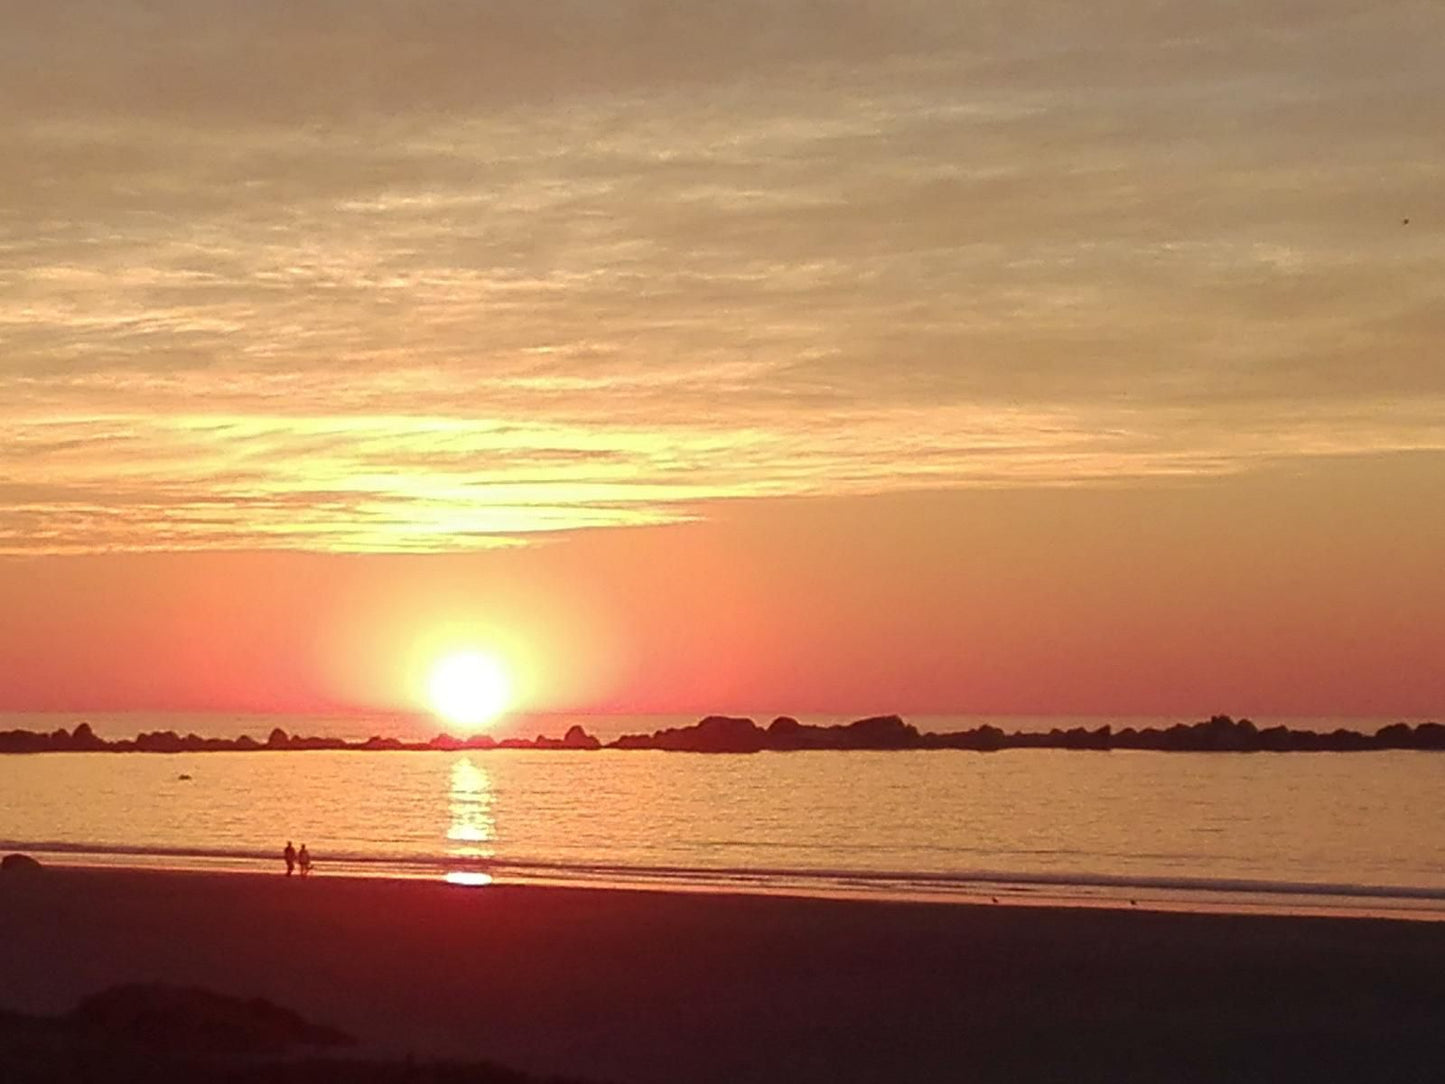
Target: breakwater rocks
x=731, y=734
x=1220, y=734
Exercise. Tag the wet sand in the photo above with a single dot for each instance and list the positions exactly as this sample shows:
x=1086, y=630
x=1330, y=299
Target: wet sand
x=648, y=987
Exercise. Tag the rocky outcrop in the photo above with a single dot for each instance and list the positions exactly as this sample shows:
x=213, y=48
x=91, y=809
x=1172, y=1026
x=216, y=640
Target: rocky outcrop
x=879, y=732
x=1219, y=734
x=727, y=734
x=181, y=1018
x=575, y=738
x=733, y=734
x=714, y=734
x=154, y=1034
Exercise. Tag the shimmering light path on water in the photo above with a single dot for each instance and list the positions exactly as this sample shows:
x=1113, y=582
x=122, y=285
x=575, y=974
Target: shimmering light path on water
x=909, y=823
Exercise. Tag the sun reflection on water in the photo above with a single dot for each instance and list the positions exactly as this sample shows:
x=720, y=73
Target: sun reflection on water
x=473, y=826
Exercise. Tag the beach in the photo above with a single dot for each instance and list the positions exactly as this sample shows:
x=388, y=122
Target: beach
x=648, y=987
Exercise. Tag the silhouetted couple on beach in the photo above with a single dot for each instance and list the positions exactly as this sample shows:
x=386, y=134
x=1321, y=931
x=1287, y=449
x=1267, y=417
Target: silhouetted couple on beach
x=295, y=859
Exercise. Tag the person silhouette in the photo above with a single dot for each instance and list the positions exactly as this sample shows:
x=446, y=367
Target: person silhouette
x=289, y=854
x=303, y=859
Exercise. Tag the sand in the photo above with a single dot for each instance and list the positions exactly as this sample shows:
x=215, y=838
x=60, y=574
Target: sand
x=645, y=987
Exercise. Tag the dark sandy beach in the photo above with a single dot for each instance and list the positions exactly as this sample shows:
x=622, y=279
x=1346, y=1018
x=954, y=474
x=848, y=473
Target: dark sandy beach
x=647, y=987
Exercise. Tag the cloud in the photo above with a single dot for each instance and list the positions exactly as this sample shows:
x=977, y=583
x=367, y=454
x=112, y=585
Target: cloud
x=416, y=276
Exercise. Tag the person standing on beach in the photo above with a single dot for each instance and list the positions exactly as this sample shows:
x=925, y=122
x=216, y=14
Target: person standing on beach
x=304, y=860
x=289, y=854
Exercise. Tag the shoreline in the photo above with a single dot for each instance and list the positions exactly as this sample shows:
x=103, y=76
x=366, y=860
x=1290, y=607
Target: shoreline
x=1167, y=895
x=644, y=986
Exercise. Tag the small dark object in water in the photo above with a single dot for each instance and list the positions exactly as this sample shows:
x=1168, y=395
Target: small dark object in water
x=184, y=777
x=19, y=863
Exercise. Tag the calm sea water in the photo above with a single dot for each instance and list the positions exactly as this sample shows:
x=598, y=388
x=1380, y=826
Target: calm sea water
x=1299, y=830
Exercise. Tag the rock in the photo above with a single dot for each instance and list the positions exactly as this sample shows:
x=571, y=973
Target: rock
x=879, y=732
x=159, y=741
x=578, y=738
x=191, y=1020
x=785, y=732
x=714, y=734
x=84, y=738
x=19, y=863
x=23, y=741
x=1430, y=736
x=722, y=734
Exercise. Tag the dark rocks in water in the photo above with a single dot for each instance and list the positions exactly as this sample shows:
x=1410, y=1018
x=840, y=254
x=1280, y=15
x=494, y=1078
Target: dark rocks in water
x=879, y=732
x=729, y=734
x=19, y=863
x=324, y=743
x=982, y=739
x=1218, y=734
x=578, y=738
x=724, y=734
x=84, y=739
x=27, y=741
x=786, y=734
x=160, y=741
x=714, y=734
x=575, y=738
x=194, y=1021
x=1403, y=736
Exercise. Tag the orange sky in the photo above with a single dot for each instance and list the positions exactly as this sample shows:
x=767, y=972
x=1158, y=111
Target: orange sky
x=986, y=357
x=1284, y=592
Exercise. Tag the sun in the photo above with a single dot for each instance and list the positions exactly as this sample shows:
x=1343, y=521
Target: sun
x=469, y=688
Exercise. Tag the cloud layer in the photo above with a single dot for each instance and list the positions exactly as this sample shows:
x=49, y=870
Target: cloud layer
x=385, y=276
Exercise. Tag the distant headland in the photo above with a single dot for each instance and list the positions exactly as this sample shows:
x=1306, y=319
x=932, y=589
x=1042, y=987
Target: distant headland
x=729, y=734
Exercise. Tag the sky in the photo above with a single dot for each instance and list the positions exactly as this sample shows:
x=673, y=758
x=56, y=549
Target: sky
x=813, y=355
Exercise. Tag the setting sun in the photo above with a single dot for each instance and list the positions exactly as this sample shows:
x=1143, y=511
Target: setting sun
x=469, y=688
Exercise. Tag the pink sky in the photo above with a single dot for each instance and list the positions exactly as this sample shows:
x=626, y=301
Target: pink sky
x=991, y=357
x=1272, y=594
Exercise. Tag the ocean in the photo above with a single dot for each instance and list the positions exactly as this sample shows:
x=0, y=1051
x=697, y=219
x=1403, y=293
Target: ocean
x=1294, y=832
